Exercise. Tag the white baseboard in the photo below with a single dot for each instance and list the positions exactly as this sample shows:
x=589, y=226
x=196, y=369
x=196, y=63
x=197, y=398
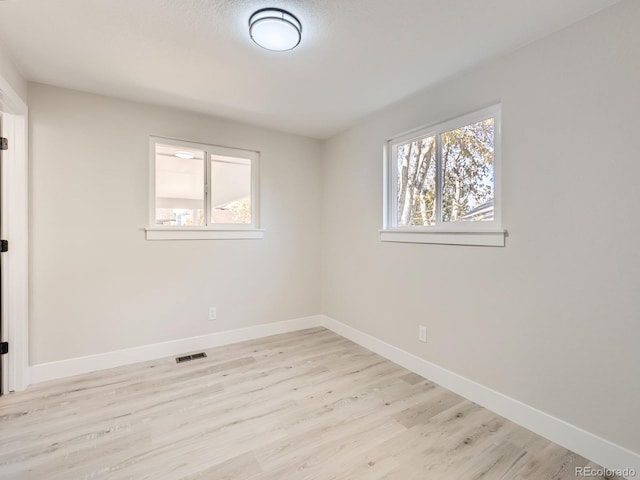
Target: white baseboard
x=92, y=363
x=590, y=446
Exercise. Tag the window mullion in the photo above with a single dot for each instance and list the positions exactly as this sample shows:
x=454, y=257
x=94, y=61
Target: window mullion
x=439, y=178
x=392, y=185
x=207, y=189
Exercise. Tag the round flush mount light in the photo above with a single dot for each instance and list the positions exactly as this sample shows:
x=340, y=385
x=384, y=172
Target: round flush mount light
x=275, y=29
x=187, y=155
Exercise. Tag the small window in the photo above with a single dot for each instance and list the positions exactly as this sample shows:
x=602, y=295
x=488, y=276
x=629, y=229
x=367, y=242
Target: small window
x=197, y=187
x=442, y=182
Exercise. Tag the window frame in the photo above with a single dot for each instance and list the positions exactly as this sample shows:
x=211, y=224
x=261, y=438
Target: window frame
x=485, y=233
x=209, y=231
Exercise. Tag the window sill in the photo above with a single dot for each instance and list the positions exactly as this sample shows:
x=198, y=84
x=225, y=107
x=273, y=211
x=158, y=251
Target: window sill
x=494, y=238
x=202, y=234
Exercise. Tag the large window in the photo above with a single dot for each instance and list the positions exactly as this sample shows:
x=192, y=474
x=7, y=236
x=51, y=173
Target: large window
x=442, y=182
x=197, y=187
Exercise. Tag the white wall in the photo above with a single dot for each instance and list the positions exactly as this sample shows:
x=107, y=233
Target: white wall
x=97, y=285
x=10, y=73
x=553, y=318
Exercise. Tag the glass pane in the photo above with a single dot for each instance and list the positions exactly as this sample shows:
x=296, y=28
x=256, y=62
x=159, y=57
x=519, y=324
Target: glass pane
x=468, y=183
x=230, y=190
x=179, y=186
x=416, y=183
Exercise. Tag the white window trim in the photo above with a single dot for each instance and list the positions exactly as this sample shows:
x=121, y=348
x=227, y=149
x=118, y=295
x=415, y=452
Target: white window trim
x=483, y=239
x=187, y=233
x=448, y=233
x=209, y=232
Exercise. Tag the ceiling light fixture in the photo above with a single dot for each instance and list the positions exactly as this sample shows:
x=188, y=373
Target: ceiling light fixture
x=275, y=29
x=186, y=155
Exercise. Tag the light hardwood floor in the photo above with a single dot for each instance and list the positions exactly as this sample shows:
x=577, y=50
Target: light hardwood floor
x=305, y=405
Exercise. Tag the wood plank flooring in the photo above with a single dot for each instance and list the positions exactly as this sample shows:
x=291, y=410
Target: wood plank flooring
x=306, y=405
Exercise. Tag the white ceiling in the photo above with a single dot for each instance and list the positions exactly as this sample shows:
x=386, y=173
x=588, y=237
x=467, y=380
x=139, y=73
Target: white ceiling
x=356, y=56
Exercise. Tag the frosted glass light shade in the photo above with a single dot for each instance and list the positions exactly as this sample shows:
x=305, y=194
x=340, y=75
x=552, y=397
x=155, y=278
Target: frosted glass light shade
x=275, y=29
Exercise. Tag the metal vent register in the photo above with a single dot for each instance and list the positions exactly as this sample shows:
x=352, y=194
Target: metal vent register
x=187, y=358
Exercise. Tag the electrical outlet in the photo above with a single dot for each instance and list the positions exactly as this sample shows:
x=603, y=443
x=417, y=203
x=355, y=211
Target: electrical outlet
x=213, y=313
x=422, y=333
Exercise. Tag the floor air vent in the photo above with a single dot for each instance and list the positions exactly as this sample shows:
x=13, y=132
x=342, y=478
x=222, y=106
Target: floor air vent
x=195, y=356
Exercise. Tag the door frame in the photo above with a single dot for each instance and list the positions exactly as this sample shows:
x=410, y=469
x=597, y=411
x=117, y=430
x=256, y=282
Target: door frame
x=15, y=229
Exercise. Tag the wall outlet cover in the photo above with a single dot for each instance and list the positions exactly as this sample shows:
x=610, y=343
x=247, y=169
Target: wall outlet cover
x=422, y=333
